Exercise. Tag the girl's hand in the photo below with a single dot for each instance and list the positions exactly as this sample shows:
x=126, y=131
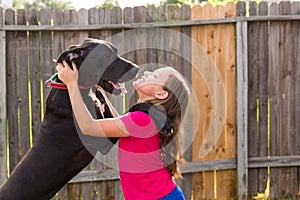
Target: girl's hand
x=66, y=74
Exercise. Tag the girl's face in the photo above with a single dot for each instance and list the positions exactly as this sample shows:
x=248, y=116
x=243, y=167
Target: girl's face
x=150, y=85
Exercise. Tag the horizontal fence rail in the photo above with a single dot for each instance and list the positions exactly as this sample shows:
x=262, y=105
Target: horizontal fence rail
x=255, y=49
x=148, y=24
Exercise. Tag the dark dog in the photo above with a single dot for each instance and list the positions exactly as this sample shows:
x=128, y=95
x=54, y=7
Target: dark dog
x=60, y=151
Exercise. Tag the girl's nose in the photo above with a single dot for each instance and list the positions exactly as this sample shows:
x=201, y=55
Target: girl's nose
x=146, y=73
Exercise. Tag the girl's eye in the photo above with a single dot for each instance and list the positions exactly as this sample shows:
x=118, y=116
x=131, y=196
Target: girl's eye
x=155, y=75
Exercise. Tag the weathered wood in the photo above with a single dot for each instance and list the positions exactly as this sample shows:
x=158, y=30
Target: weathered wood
x=35, y=75
x=192, y=167
x=295, y=31
x=242, y=109
x=139, y=14
x=161, y=43
x=274, y=99
x=63, y=193
x=83, y=20
x=74, y=191
x=253, y=47
x=281, y=103
x=70, y=19
x=151, y=39
x=3, y=108
x=252, y=97
x=295, y=88
x=162, y=24
x=173, y=43
x=115, y=36
x=46, y=57
x=93, y=19
x=1, y=17
x=58, y=47
x=22, y=86
x=58, y=40
x=105, y=17
x=130, y=54
x=263, y=63
x=12, y=103
x=108, y=189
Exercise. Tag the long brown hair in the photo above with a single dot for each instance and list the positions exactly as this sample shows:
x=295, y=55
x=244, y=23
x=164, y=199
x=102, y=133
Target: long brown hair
x=175, y=106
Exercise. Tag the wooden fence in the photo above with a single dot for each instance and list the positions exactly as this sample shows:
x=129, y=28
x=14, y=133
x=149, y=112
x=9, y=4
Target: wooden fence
x=240, y=58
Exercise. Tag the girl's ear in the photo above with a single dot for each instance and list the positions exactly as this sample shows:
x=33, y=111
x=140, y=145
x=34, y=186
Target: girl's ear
x=163, y=94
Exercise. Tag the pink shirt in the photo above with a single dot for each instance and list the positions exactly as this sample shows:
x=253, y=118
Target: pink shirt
x=142, y=172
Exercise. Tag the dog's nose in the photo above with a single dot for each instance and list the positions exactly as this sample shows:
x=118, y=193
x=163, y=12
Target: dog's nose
x=135, y=69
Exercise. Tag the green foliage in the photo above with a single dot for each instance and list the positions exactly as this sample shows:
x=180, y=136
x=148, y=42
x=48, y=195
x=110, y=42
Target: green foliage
x=192, y=2
x=178, y=2
x=109, y=4
x=37, y=4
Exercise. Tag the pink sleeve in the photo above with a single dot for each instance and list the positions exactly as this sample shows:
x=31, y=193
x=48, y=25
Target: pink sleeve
x=139, y=124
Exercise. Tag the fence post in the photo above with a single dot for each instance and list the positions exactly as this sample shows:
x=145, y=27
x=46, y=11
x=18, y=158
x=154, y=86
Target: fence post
x=3, y=147
x=242, y=109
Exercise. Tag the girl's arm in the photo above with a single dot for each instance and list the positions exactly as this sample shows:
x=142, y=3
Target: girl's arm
x=112, y=127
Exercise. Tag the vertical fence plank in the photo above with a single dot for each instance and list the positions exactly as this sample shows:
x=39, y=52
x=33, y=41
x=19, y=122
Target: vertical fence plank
x=115, y=17
x=139, y=14
x=280, y=102
x=70, y=19
x=252, y=97
x=12, y=100
x=242, y=102
x=58, y=39
x=93, y=14
x=102, y=15
x=151, y=37
x=22, y=85
x=173, y=45
x=58, y=47
x=112, y=16
x=70, y=38
x=129, y=53
x=86, y=187
x=186, y=60
x=118, y=101
x=46, y=57
x=35, y=73
x=274, y=101
x=263, y=63
x=207, y=43
x=83, y=20
x=161, y=51
x=202, y=99
x=3, y=107
x=295, y=10
x=225, y=58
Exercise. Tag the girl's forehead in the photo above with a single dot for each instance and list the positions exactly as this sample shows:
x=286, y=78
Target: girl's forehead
x=163, y=71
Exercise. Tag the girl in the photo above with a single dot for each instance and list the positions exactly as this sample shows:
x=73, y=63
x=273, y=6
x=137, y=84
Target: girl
x=147, y=156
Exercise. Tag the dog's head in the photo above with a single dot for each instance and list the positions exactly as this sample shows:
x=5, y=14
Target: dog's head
x=99, y=63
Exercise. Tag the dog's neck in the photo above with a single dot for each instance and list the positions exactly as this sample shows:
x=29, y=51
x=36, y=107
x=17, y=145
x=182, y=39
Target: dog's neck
x=58, y=102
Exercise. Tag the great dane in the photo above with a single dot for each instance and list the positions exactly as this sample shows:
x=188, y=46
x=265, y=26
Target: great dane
x=61, y=151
